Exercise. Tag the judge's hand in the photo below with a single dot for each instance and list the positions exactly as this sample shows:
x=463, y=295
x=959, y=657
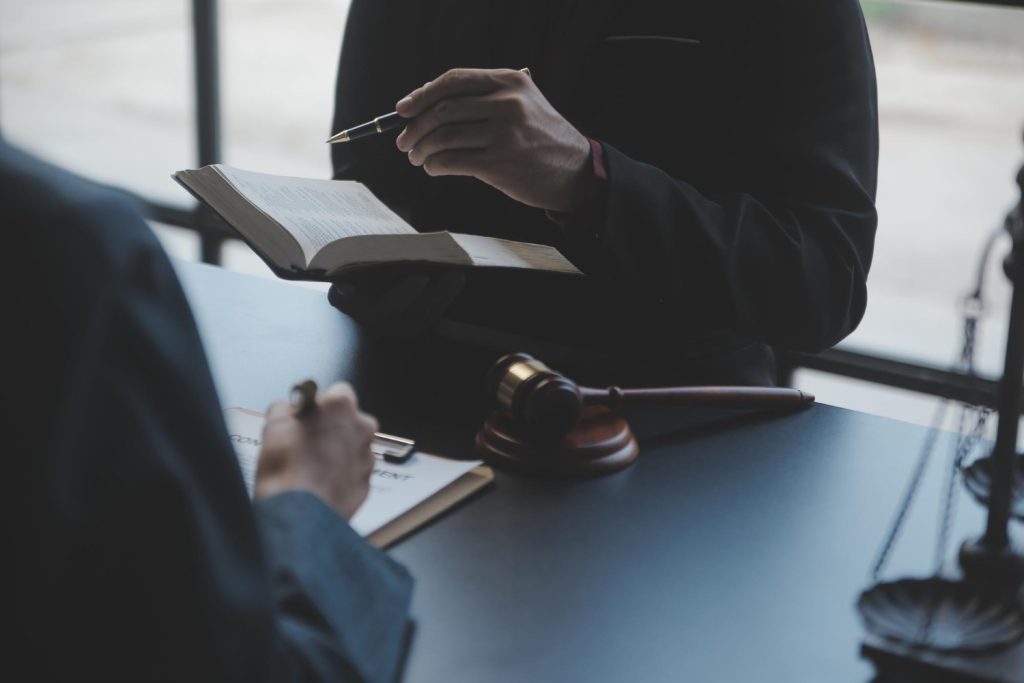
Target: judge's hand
x=390, y=305
x=326, y=453
x=495, y=125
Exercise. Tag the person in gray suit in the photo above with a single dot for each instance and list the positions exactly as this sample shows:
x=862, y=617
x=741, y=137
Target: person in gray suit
x=136, y=552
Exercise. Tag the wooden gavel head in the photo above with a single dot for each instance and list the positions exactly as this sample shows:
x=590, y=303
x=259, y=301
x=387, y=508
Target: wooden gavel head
x=543, y=402
x=548, y=426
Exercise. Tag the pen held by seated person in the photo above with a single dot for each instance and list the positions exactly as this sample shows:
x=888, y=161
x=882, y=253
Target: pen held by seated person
x=393, y=449
x=303, y=398
x=380, y=124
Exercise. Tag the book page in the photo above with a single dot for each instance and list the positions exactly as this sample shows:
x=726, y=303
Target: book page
x=490, y=251
x=316, y=212
x=394, y=488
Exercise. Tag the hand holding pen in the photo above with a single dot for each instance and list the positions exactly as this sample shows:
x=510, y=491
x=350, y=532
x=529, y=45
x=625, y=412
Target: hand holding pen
x=393, y=449
x=319, y=444
x=494, y=125
x=380, y=124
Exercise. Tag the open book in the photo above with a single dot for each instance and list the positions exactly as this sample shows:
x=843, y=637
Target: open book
x=403, y=497
x=316, y=229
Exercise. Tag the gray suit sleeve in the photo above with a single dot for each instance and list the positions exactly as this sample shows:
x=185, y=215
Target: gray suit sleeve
x=327, y=580
x=142, y=558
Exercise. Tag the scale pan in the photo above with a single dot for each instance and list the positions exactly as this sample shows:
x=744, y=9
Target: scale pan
x=942, y=615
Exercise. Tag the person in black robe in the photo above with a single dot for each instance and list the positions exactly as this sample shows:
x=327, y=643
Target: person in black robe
x=723, y=206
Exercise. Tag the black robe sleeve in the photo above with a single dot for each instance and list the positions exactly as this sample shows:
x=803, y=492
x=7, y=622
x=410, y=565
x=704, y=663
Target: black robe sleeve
x=781, y=254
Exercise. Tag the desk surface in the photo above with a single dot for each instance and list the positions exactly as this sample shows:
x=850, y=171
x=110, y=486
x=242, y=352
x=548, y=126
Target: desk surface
x=732, y=551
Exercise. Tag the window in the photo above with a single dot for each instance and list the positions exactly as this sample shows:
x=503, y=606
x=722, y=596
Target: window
x=108, y=88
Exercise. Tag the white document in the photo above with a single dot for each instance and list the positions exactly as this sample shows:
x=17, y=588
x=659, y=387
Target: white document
x=394, y=489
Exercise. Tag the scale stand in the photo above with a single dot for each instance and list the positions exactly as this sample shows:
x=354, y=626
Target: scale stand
x=991, y=557
x=968, y=628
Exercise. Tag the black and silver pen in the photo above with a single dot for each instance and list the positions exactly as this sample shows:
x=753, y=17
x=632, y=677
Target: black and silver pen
x=303, y=398
x=394, y=449
x=378, y=125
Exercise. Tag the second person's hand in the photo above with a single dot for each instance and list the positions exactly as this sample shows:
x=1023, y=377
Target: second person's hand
x=496, y=125
x=397, y=304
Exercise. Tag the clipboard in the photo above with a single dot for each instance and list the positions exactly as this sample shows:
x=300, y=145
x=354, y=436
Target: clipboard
x=416, y=505
x=462, y=488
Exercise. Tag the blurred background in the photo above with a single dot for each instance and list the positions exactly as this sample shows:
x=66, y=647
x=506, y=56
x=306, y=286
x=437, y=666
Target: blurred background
x=109, y=89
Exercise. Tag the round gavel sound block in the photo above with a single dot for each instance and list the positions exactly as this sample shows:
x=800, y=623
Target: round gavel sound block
x=601, y=443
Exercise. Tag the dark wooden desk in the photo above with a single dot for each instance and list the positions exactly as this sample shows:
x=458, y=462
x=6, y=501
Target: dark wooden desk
x=732, y=551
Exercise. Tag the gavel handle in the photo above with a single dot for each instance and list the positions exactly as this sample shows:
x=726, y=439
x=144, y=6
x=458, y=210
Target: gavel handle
x=716, y=397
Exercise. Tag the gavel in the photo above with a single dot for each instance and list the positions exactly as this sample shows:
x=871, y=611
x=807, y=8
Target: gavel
x=547, y=405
